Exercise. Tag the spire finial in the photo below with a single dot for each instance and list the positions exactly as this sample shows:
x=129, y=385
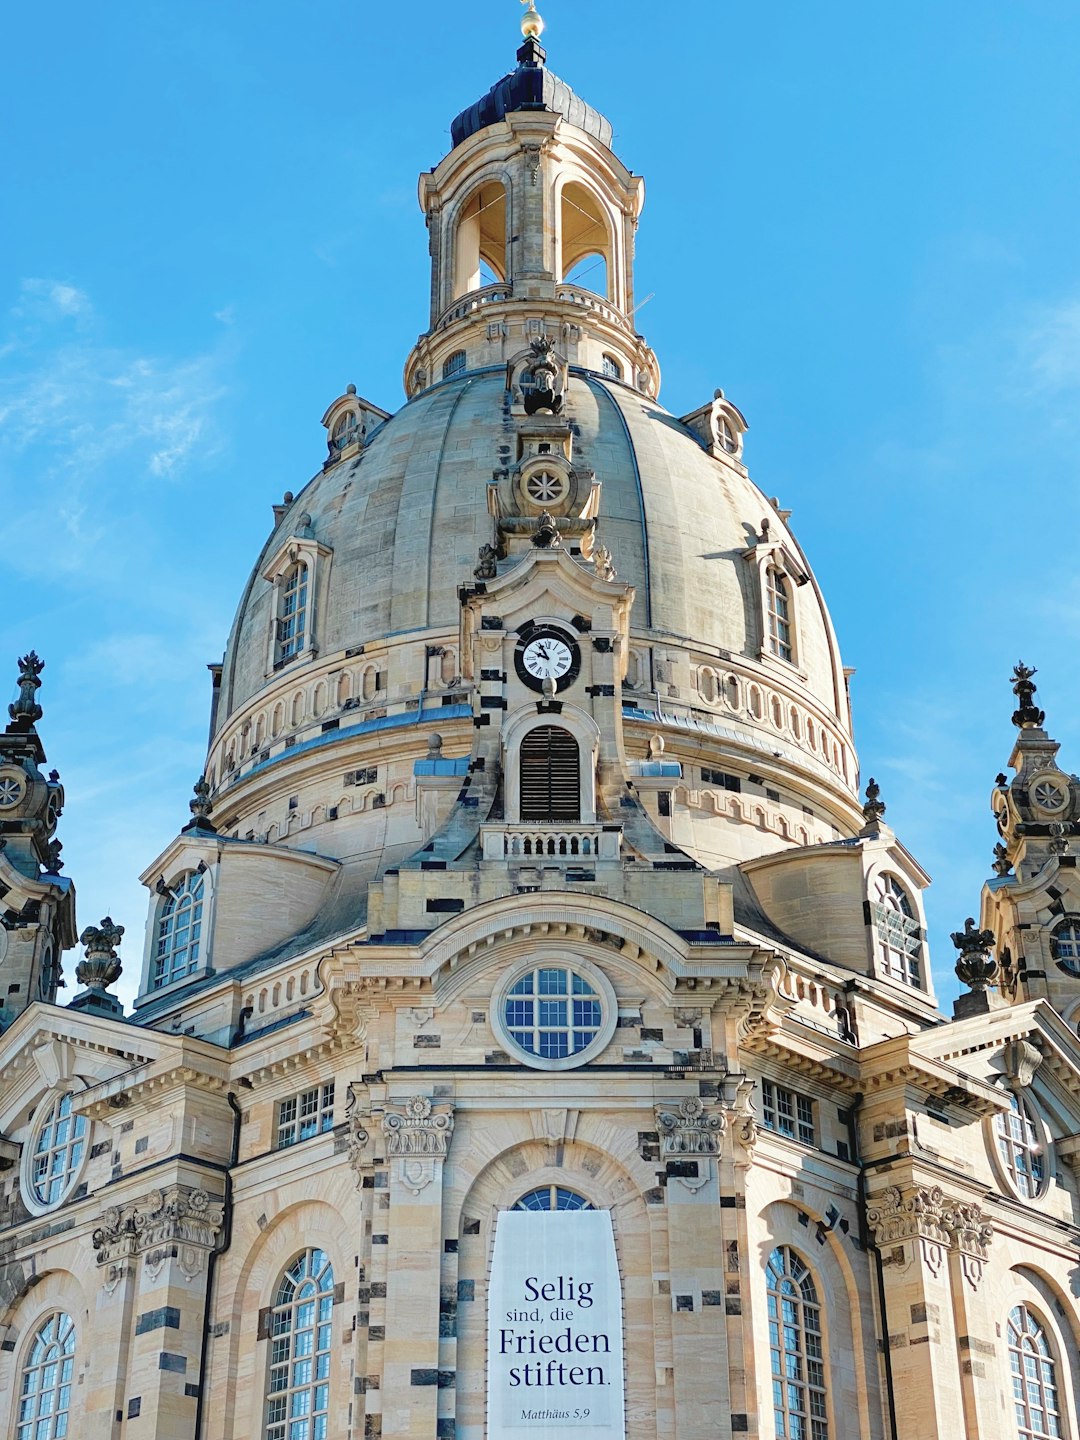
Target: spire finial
x=874, y=808
x=1027, y=716
x=25, y=711
x=532, y=23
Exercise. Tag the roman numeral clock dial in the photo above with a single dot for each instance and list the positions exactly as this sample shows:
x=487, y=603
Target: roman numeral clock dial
x=547, y=654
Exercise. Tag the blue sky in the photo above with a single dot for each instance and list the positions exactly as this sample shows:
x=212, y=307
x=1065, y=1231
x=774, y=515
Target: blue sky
x=861, y=222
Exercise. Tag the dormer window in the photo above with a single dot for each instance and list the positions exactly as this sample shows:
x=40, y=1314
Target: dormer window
x=179, y=931
x=726, y=437
x=778, y=609
x=292, y=613
x=297, y=573
x=898, y=932
x=345, y=432
x=454, y=364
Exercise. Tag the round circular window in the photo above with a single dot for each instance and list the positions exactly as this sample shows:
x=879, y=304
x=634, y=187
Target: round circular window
x=554, y=1013
x=1021, y=1149
x=54, y=1159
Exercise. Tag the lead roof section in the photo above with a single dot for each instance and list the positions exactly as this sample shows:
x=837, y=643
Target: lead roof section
x=530, y=87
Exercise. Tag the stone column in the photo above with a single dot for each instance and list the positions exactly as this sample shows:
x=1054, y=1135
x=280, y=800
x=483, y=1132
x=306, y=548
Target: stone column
x=909, y=1227
x=691, y=1140
x=979, y=1350
x=417, y=1138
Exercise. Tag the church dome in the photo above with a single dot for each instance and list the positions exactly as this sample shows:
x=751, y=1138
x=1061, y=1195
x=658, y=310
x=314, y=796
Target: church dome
x=532, y=419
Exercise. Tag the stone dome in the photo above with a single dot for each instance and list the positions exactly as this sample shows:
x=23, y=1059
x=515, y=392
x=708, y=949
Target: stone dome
x=400, y=527
x=530, y=393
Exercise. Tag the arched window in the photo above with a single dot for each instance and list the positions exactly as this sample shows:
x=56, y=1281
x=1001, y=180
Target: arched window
x=553, y=1197
x=611, y=368
x=778, y=606
x=454, y=364
x=1020, y=1147
x=300, y=1332
x=292, y=613
x=1034, y=1377
x=179, y=931
x=550, y=776
x=899, y=934
x=45, y=1389
x=59, y=1142
x=346, y=430
x=726, y=436
x=800, y=1403
x=1065, y=943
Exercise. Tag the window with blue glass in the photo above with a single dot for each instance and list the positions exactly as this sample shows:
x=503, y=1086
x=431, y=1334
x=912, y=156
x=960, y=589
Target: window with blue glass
x=553, y=1012
x=800, y=1401
x=553, y=1197
x=300, y=1329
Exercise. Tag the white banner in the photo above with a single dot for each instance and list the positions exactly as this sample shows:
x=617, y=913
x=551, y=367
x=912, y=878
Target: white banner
x=555, y=1341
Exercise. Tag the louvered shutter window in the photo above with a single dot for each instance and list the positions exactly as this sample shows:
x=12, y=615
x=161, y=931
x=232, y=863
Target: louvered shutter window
x=550, y=776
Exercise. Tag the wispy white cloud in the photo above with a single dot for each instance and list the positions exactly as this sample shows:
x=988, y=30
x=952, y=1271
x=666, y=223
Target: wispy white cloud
x=52, y=300
x=86, y=426
x=1047, y=370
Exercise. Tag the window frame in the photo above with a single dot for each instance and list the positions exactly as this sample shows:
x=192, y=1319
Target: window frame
x=775, y=1100
x=320, y=1100
x=284, y=1360
x=1070, y=962
x=29, y=1428
x=555, y=1191
x=888, y=897
x=294, y=550
x=74, y=1167
x=199, y=909
x=1049, y=1356
x=782, y=1380
x=555, y=959
x=455, y=364
x=779, y=614
x=1004, y=1145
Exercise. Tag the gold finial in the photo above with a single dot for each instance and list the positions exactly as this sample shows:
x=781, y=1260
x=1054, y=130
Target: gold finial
x=532, y=24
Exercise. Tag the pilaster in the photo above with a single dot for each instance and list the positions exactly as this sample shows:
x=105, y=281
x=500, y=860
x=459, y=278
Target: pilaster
x=154, y=1253
x=910, y=1227
x=416, y=1136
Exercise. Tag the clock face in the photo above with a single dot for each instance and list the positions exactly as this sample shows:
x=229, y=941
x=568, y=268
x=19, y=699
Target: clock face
x=547, y=658
x=547, y=655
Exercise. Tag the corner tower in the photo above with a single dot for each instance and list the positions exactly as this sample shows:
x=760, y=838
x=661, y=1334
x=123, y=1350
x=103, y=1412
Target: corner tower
x=532, y=219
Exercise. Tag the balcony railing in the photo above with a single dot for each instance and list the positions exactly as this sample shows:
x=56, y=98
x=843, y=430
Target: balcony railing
x=475, y=300
x=564, y=844
x=589, y=300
